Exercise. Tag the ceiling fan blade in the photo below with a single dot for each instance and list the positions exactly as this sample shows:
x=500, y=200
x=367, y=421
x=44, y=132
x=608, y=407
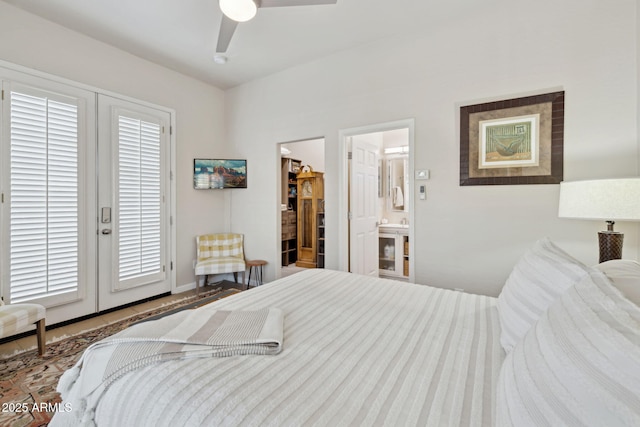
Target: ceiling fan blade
x=279, y=3
x=227, y=28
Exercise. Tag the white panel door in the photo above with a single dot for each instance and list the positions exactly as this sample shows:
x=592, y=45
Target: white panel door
x=48, y=202
x=133, y=202
x=364, y=213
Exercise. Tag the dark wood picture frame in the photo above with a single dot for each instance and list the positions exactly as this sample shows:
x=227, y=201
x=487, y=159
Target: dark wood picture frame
x=549, y=110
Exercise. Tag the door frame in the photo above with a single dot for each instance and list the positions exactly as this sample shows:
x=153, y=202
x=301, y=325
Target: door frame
x=343, y=186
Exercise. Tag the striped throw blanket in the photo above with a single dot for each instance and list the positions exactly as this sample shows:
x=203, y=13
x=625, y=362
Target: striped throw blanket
x=188, y=334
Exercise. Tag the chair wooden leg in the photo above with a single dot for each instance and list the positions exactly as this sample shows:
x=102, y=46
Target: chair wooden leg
x=41, y=336
x=235, y=277
x=197, y=284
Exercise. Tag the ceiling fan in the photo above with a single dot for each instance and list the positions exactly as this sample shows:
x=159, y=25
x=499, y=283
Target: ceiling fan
x=235, y=11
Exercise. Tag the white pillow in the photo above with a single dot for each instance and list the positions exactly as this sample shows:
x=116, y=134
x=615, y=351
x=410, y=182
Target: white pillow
x=542, y=274
x=578, y=365
x=624, y=275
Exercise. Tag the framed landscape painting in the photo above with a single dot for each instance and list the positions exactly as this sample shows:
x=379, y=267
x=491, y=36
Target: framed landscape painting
x=219, y=174
x=513, y=141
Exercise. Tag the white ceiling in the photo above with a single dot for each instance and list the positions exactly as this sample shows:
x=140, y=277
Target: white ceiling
x=182, y=34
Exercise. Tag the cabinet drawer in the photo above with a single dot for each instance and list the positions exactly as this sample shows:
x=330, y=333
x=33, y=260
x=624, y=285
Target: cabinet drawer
x=288, y=232
x=287, y=217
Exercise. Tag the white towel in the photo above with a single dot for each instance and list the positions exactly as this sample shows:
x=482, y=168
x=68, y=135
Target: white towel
x=398, y=198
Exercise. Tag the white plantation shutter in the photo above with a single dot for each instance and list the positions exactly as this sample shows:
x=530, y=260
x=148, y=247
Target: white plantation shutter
x=44, y=222
x=139, y=199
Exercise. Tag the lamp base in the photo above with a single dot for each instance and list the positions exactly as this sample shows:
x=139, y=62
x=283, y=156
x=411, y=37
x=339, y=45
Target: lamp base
x=610, y=245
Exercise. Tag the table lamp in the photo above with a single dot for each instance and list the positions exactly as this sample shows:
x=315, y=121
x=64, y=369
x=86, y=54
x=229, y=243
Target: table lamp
x=609, y=200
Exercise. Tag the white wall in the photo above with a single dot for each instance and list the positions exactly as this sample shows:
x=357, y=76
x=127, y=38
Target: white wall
x=35, y=43
x=466, y=237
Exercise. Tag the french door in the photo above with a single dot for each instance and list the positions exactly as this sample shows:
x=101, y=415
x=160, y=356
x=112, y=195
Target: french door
x=48, y=197
x=134, y=209
x=85, y=198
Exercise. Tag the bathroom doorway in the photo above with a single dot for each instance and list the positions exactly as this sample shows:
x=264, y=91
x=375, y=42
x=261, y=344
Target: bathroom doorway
x=376, y=221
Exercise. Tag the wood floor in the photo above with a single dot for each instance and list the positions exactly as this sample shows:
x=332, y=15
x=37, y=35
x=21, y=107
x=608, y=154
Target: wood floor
x=28, y=343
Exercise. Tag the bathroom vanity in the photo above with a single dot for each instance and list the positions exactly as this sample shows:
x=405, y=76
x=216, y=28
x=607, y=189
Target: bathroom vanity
x=393, y=251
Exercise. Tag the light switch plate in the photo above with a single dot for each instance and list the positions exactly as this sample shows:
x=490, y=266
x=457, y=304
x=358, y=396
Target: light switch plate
x=422, y=174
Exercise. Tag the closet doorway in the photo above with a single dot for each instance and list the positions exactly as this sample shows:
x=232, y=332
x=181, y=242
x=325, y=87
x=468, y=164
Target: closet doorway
x=301, y=201
x=377, y=199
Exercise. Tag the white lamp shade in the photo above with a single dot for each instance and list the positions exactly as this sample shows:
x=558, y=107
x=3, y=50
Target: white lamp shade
x=239, y=10
x=603, y=199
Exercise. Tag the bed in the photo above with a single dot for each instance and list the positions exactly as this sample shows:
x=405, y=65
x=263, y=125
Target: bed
x=357, y=350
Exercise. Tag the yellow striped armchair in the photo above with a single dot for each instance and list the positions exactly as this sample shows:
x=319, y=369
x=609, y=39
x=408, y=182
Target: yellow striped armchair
x=219, y=254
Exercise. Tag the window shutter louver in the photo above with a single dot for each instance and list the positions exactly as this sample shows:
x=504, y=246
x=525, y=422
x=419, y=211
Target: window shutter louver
x=139, y=188
x=44, y=197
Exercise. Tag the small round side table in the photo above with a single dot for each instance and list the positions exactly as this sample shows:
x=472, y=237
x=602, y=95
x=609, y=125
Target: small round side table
x=257, y=263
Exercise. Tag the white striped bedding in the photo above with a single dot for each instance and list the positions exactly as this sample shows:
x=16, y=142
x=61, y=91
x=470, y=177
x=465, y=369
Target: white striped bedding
x=357, y=351
x=579, y=365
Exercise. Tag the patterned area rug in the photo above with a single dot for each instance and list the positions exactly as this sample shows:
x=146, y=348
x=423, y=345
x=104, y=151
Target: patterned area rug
x=28, y=382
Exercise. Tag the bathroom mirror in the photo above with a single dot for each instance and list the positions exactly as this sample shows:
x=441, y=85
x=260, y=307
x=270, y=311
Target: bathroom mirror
x=397, y=183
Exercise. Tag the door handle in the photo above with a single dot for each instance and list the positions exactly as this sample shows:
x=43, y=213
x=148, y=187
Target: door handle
x=106, y=231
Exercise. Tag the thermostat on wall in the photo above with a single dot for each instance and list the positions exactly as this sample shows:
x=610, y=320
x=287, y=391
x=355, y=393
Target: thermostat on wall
x=422, y=174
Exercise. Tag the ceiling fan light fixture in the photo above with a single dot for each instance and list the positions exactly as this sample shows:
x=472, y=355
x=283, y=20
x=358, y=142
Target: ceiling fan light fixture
x=239, y=10
x=220, y=59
